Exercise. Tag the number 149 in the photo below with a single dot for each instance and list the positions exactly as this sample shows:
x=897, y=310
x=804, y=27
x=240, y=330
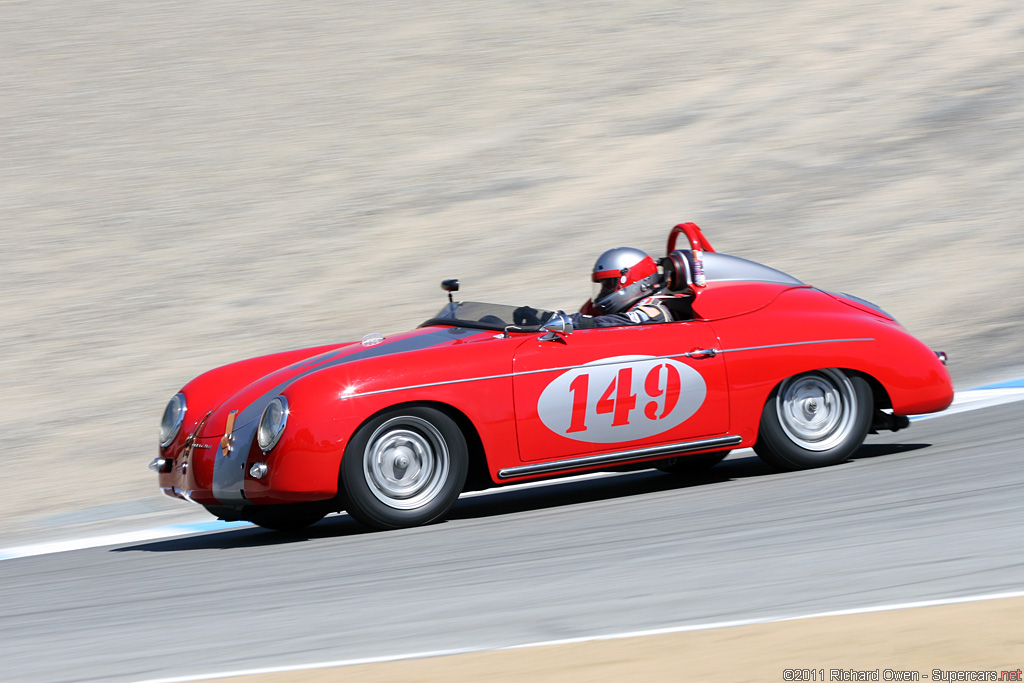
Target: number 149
x=619, y=400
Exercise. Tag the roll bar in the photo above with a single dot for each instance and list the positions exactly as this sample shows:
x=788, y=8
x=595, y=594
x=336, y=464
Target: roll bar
x=698, y=244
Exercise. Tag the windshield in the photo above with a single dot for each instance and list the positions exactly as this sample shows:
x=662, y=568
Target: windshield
x=489, y=316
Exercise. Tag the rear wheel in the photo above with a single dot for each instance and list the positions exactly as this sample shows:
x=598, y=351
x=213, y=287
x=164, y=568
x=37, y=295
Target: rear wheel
x=404, y=468
x=815, y=419
x=691, y=464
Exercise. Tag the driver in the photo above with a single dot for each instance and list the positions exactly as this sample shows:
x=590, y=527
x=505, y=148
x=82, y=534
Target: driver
x=625, y=281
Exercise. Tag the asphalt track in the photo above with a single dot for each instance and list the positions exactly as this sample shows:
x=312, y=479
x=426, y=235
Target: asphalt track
x=932, y=512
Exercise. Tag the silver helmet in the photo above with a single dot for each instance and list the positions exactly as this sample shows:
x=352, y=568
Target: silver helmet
x=622, y=276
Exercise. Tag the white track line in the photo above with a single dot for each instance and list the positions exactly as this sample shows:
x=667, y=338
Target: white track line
x=971, y=399
x=119, y=538
x=570, y=641
x=976, y=399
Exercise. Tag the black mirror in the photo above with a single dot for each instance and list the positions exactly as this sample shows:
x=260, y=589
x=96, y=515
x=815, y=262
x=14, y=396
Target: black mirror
x=450, y=286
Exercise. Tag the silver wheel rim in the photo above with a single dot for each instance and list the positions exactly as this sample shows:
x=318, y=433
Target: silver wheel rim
x=817, y=409
x=406, y=463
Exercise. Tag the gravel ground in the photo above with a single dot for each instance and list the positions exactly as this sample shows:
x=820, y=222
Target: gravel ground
x=187, y=183
x=978, y=636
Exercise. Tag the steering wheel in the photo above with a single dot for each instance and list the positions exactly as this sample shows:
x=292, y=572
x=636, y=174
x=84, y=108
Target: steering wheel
x=526, y=315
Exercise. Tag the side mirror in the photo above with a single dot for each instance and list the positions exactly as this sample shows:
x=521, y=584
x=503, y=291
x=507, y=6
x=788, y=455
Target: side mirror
x=450, y=286
x=558, y=327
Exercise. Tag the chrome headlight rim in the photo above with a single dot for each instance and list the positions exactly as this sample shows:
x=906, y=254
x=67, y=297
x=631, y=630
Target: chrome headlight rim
x=174, y=416
x=267, y=435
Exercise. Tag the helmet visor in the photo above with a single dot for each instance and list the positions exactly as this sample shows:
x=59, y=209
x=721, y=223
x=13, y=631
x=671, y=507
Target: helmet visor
x=603, y=288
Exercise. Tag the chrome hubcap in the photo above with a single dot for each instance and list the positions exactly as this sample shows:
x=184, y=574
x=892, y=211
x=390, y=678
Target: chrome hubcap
x=406, y=463
x=817, y=409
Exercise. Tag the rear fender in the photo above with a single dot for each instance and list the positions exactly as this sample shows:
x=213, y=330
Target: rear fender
x=804, y=330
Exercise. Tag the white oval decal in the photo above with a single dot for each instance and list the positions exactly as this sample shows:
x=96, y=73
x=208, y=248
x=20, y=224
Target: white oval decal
x=624, y=398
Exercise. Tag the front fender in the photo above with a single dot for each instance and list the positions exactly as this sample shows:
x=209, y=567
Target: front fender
x=327, y=407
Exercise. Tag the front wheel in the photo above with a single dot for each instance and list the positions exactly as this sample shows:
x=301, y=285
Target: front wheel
x=404, y=468
x=815, y=419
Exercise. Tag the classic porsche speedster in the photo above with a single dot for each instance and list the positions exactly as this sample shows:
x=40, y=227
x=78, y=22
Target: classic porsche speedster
x=392, y=430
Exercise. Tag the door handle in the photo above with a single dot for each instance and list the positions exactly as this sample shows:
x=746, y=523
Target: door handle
x=703, y=353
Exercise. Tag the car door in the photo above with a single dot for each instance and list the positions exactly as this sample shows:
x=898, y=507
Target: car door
x=620, y=388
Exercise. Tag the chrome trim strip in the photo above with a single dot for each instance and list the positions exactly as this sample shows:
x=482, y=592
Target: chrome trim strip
x=804, y=343
x=699, y=354
x=620, y=456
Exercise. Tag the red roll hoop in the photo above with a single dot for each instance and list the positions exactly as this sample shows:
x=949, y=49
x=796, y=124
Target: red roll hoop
x=698, y=242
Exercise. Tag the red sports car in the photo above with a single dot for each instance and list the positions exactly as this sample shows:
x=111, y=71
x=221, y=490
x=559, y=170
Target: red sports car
x=393, y=429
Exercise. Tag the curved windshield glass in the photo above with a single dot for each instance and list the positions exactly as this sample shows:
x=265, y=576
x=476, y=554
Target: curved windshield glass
x=489, y=316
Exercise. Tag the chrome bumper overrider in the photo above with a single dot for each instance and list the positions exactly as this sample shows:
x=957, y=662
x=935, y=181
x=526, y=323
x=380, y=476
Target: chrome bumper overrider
x=162, y=464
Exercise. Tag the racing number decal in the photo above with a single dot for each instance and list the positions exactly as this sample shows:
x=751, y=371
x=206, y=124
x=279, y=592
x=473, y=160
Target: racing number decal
x=621, y=399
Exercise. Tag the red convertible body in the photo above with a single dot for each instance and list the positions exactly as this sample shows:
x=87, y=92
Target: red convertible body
x=394, y=429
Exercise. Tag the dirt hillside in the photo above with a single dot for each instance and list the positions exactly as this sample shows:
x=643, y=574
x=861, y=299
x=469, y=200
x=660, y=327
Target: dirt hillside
x=187, y=183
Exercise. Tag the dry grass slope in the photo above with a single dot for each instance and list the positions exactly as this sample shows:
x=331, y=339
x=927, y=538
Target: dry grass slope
x=186, y=183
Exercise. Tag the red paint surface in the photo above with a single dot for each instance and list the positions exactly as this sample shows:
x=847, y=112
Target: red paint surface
x=493, y=383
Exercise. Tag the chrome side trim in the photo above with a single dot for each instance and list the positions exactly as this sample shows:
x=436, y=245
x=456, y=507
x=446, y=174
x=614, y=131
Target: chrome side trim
x=804, y=343
x=621, y=456
x=701, y=353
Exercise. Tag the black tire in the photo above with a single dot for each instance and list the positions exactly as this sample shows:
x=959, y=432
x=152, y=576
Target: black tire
x=284, y=517
x=691, y=464
x=815, y=419
x=403, y=468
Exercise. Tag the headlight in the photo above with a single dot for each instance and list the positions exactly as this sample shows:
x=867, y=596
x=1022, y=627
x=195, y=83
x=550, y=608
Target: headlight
x=275, y=417
x=174, y=415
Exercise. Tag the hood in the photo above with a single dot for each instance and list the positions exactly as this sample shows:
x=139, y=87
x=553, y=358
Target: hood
x=249, y=401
